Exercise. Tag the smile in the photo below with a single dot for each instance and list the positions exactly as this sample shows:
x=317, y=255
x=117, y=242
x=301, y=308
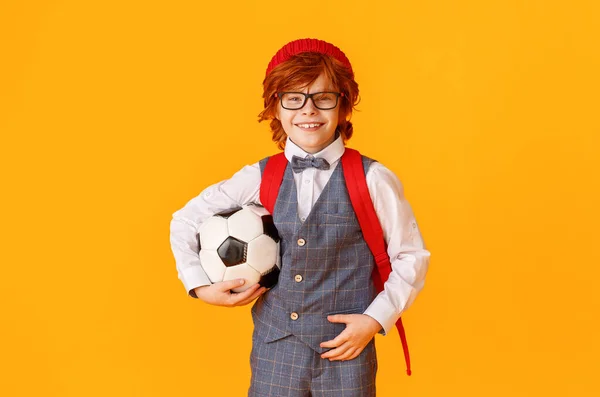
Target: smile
x=309, y=125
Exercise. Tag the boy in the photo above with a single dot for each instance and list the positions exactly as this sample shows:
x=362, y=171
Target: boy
x=313, y=331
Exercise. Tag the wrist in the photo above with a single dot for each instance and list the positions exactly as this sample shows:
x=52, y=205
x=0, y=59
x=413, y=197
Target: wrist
x=376, y=325
x=196, y=292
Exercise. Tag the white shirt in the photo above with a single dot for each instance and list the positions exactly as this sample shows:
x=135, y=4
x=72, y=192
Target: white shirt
x=406, y=249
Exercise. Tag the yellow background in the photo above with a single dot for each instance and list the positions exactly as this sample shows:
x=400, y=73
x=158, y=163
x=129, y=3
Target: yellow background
x=113, y=114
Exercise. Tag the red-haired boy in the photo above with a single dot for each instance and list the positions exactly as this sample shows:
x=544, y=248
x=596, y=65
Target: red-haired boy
x=314, y=331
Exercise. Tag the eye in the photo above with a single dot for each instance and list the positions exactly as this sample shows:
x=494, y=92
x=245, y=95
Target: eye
x=325, y=97
x=293, y=97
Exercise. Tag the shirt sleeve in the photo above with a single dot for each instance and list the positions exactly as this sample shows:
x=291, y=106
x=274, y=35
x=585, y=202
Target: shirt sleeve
x=243, y=188
x=406, y=248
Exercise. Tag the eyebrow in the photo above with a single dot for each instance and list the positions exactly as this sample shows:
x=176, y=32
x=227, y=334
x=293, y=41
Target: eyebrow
x=328, y=89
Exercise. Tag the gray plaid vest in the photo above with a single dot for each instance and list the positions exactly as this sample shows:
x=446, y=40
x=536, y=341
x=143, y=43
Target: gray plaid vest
x=326, y=265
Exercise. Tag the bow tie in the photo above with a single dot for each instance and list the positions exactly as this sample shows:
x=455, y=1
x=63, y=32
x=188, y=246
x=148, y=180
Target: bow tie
x=299, y=164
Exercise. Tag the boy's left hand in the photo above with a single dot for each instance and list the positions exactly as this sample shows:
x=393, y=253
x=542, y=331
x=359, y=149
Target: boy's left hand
x=360, y=329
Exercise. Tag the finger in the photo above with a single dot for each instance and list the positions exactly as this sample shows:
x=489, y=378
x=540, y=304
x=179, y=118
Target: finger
x=338, y=351
x=347, y=355
x=335, y=342
x=240, y=296
x=339, y=318
x=230, y=284
x=255, y=295
x=356, y=353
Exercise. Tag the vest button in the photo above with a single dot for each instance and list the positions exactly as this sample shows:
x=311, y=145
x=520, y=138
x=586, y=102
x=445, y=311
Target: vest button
x=298, y=278
x=301, y=242
x=294, y=316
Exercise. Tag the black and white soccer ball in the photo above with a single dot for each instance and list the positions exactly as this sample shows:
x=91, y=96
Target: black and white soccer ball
x=240, y=243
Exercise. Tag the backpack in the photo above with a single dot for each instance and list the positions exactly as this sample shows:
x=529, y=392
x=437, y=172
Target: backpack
x=358, y=191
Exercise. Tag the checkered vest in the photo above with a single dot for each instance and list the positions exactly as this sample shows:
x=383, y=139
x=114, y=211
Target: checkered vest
x=326, y=265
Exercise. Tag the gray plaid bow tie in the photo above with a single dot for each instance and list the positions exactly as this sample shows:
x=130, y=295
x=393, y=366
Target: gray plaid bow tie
x=299, y=164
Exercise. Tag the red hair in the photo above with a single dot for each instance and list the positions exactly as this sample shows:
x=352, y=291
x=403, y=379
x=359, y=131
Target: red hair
x=301, y=70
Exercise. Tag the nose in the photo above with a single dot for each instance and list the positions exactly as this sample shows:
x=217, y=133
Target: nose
x=309, y=107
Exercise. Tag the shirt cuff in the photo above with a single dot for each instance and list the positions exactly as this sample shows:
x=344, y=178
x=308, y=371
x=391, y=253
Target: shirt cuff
x=194, y=277
x=384, y=312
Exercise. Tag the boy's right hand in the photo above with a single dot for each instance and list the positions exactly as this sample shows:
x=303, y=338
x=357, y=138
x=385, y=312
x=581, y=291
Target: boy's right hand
x=220, y=293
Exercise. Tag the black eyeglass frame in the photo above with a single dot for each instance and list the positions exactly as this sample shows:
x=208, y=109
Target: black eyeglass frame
x=306, y=96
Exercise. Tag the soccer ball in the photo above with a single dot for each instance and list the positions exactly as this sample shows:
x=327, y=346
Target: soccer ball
x=240, y=243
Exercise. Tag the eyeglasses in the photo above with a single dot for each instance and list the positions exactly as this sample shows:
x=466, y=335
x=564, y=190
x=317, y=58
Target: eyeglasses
x=297, y=100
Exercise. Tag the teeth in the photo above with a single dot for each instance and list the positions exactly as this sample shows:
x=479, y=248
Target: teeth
x=309, y=125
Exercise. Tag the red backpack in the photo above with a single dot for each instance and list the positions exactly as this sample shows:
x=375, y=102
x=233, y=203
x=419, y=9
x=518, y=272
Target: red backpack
x=363, y=207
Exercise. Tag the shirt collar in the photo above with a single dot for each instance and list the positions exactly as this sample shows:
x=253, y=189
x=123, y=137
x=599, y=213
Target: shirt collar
x=331, y=153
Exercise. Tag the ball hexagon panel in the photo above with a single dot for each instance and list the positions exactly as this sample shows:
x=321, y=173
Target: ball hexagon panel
x=213, y=232
x=232, y=251
x=267, y=220
x=245, y=225
x=212, y=265
x=228, y=213
x=270, y=279
x=242, y=271
x=269, y=227
x=258, y=210
x=261, y=252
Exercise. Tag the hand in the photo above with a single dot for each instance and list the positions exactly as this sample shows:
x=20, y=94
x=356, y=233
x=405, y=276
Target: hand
x=220, y=294
x=359, y=331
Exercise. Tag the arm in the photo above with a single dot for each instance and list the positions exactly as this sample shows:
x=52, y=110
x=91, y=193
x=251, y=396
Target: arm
x=241, y=189
x=409, y=260
x=406, y=249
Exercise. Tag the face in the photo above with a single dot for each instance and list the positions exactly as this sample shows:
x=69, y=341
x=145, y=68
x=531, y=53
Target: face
x=310, y=139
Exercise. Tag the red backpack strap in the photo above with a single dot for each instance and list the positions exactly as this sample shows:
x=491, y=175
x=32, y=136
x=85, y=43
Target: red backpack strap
x=356, y=182
x=271, y=180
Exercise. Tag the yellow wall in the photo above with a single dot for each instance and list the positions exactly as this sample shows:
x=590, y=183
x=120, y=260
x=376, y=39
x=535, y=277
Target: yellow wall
x=114, y=114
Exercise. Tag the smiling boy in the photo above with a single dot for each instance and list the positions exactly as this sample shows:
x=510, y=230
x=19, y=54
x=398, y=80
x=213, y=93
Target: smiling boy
x=314, y=331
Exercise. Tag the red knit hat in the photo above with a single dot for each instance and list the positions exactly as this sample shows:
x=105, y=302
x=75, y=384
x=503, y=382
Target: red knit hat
x=308, y=45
